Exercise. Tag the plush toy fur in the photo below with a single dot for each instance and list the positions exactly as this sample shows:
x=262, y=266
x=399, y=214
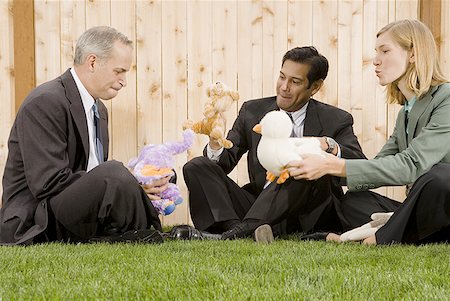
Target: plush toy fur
x=220, y=100
x=369, y=229
x=156, y=161
x=276, y=148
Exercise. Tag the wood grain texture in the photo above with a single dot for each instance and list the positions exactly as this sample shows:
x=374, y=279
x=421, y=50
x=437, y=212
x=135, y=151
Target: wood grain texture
x=181, y=47
x=7, y=100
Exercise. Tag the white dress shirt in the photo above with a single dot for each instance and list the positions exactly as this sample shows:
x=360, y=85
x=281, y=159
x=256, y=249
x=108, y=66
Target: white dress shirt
x=88, y=102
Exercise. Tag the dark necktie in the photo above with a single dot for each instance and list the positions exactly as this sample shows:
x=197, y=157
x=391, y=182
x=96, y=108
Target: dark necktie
x=98, y=134
x=293, y=124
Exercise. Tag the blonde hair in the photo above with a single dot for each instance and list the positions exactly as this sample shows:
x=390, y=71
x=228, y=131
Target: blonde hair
x=425, y=71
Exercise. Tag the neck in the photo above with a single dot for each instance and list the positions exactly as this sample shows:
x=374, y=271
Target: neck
x=84, y=78
x=408, y=93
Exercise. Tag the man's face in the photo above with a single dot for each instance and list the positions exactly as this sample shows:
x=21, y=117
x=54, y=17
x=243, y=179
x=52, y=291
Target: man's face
x=109, y=75
x=292, y=86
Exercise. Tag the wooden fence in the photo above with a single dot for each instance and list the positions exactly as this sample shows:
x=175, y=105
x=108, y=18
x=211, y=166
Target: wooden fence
x=183, y=46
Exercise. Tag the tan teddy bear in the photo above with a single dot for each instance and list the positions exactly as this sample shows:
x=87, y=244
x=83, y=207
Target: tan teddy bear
x=221, y=98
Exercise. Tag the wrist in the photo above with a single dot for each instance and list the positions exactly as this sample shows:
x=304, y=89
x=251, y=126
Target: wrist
x=332, y=146
x=336, y=166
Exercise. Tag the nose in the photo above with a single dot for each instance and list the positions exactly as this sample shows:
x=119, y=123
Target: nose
x=284, y=85
x=123, y=81
x=376, y=60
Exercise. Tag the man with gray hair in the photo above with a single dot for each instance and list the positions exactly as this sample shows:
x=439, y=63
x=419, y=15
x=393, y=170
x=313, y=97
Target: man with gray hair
x=57, y=184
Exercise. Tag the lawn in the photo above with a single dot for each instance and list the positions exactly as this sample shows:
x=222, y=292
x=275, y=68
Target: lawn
x=225, y=270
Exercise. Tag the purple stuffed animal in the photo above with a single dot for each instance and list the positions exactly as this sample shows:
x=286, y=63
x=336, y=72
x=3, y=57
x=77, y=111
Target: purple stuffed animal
x=156, y=161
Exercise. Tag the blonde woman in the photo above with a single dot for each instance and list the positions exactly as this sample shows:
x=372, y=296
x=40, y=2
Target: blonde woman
x=417, y=153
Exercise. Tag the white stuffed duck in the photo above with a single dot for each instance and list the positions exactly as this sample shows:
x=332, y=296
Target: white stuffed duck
x=276, y=148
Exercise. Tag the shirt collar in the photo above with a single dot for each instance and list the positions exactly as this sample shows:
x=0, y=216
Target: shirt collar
x=86, y=98
x=299, y=116
x=410, y=103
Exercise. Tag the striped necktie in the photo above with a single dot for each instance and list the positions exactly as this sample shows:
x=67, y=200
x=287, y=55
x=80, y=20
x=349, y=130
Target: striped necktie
x=98, y=134
x=293, y=124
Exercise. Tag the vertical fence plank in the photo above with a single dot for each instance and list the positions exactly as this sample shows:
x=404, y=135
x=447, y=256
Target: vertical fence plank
x=300, y=23
x=73, y=16
x=48, y=40
x=325, y=22
x=149, y=82
x=123, y=120
x=174, y=62
x=274, y=43
x=225, y=61
x=6, y=82
x=249, y=40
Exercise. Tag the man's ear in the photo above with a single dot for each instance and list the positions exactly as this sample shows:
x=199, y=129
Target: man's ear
x=91, y=59
x=315, y=87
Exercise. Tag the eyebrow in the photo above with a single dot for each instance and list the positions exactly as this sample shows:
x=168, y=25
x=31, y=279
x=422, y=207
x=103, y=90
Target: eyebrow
x=121, y=69
x=293, y=77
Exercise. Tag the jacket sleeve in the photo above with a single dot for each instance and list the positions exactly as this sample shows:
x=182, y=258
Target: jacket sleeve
x=348, y=142
x=426, y=149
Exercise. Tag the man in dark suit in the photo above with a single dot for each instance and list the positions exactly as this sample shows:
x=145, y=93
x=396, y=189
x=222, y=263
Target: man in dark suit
x=219, y=205
x=56, y=185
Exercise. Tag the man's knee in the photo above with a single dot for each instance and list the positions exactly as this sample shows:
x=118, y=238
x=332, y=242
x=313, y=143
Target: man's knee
x=195, y=165
x=114, y=170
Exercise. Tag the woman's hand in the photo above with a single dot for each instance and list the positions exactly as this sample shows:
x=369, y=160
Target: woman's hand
x=313, y=167
x=158, y=186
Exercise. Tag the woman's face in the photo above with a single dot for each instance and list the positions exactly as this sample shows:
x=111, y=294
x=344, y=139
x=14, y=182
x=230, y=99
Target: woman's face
x=391, y=60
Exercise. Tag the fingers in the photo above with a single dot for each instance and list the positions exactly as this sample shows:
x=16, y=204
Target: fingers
x=156, y=187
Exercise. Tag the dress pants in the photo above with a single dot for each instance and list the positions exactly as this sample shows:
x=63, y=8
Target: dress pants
x=107, y=197
x=214, y=198
x=423, y=217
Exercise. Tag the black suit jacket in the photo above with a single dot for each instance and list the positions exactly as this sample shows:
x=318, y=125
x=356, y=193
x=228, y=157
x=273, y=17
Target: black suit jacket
x=321, y=120
x=48, y=151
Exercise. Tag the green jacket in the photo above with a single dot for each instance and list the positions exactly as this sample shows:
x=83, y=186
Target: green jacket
x=401, y=162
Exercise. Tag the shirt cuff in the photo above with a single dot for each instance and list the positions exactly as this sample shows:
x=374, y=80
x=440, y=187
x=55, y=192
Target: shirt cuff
x=339, y=151
x=213, y=154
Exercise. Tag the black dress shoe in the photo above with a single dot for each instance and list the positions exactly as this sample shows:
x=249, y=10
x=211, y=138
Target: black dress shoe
x=186, y=232
x=241, y=230
x=319, y=236
x=133, y=236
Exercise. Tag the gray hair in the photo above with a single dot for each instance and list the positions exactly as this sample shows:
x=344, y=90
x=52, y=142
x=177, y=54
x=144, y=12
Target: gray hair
x=98, y=40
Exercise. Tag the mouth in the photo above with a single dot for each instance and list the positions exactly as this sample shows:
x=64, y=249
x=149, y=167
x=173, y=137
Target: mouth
x=284, y=96
x=378, y=73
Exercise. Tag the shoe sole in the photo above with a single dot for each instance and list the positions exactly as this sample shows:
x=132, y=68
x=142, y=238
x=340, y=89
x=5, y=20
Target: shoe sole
x=263, y=234
x=139, y=236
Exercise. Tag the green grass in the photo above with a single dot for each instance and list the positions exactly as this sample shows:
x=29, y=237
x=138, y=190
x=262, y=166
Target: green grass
x=225, y=270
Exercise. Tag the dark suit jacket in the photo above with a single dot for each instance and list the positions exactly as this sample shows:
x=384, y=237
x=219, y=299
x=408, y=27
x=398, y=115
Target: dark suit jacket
x=48, y=151
x=321, y=120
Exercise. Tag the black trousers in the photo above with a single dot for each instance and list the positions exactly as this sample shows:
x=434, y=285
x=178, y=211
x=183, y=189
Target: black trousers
x=293, y=206
x=106, y=197
x=423, y=217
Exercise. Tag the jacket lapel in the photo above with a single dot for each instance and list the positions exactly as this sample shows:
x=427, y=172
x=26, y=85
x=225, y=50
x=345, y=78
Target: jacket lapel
x=417, y=110
x=76, y=109
x=313, y=126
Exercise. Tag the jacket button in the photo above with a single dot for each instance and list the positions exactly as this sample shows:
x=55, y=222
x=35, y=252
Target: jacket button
x=359, y=186
x=366, y=186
